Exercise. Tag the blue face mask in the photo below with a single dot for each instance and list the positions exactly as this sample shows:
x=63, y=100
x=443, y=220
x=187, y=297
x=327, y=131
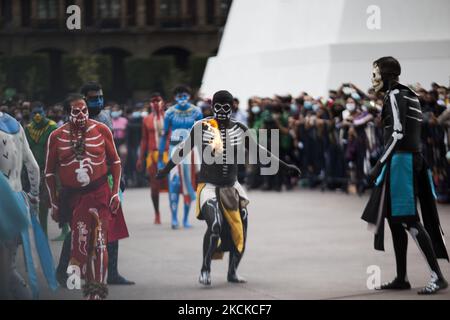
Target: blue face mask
x=182, y=99
x=95, y=102
x=136, y=114
x=356, y=96
x=308, y=105
x=116, y=114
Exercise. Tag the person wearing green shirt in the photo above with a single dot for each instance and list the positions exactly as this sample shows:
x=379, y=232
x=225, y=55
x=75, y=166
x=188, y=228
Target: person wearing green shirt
x=37, y=133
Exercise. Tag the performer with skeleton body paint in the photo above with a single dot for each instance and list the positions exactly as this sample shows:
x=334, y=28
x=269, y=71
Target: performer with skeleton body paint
x=93, y=94
x=81, y=153
x=152, y=131
x=178, y=119
x=221, y=200
x=401, y=177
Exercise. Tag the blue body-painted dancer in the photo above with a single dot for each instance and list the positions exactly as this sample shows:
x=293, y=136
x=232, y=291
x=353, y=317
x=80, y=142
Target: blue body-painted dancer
x=178, y=120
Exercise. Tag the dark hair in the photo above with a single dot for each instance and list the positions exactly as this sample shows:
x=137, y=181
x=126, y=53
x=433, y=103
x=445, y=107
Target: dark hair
x=37, y=104
x=235, y=100
x=155, y=95
x=181, y=89
x=90, y=86
x=389, y=67
x=70, y=98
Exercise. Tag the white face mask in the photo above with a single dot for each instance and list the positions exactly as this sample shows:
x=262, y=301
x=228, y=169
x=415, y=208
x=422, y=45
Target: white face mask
x=256, y=109
x=377, y=82
x=350, y=107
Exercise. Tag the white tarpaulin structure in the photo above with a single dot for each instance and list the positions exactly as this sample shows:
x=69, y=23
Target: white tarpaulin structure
x=288, y=46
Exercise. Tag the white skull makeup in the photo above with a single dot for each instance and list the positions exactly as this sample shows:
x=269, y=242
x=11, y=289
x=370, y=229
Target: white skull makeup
x=377, y=81
x=222, y=111
x=79, y=114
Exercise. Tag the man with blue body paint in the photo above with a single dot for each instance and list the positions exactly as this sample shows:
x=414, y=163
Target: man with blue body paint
x=178, y=120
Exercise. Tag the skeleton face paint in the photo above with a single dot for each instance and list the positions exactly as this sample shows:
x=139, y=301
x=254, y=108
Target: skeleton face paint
x=222, y=111
x=79, y=114
x=377, y=81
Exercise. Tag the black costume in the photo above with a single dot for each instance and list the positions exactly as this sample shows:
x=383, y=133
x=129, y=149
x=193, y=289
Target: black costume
x=401, y=177
x=221, y=201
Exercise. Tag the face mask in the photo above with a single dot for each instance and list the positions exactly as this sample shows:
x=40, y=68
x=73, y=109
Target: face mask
x=116, y=114
x=350, y=107
x=144, y=114
x=308, y=105
x=256, y=109
x=315, y=107
x=95, y=102
x=293, y=108
x=378, y=107
x=356, y=96
x=136, y=114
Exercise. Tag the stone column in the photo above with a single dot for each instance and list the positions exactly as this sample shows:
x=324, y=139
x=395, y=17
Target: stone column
x=34, y=10
x=157, y=13
x=16, y=14
x=123, y=14
x=201, y=12
x=141, y=14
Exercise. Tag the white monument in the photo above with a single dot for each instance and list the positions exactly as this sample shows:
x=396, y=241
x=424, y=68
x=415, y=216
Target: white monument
x=288, y=46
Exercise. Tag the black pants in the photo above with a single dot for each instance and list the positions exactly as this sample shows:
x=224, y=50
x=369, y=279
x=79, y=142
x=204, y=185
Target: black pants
x=420, y=235
x=215, y=224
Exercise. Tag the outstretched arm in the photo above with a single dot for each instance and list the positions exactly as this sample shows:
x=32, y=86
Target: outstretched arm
x=253, y=146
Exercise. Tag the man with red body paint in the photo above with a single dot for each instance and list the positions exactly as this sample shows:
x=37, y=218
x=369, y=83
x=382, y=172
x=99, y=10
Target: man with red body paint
x=152, y=130
x=81, y=153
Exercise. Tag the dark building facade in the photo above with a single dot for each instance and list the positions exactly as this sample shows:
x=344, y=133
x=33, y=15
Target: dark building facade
x=117, y=28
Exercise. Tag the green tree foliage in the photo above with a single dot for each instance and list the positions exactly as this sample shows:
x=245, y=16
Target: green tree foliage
x=28, y=74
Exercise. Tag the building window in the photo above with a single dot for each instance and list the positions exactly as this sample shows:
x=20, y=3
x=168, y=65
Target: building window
x=150, y=12
x=109, y=9
x=5, y=13
x=26, y=13
x=88, y=10
x=131, y=12
x=192, y=11
x=170, y=8
x=170, y=11
x=225, y=7
x=109, y=13
x=210, y=12
x=47, y=9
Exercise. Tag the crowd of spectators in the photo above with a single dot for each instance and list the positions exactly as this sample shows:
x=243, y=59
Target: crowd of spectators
x=334, y=140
